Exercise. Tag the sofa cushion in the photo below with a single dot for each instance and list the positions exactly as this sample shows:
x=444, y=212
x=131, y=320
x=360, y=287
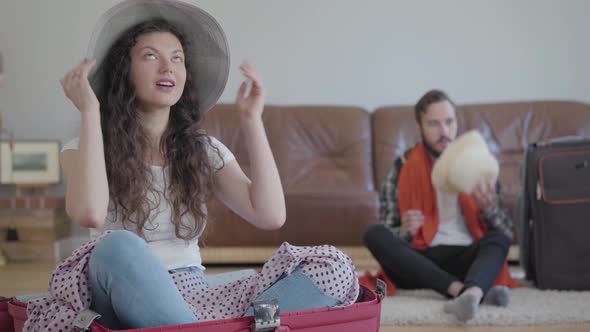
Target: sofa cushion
x=313, y=218
x=324, y=157
x=324, y=148
x=394, y=132
x=316, y=148
x=336, y=218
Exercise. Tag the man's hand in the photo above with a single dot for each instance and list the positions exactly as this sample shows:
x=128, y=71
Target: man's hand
x=485, y=195
x=412, y=220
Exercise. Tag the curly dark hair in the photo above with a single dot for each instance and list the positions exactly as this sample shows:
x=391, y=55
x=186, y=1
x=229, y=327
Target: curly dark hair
x=184, y=146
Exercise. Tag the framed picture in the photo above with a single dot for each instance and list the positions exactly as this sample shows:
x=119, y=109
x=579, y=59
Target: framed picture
x=29, y=162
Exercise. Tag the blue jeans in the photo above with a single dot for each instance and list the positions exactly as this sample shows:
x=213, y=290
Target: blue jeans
x=132, y=289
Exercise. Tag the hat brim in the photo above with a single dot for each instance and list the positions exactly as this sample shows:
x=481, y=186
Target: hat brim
x=209, y=51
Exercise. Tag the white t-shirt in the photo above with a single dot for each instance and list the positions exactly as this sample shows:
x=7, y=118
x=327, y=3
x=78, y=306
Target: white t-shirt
x=159, y=231
x=452, y=230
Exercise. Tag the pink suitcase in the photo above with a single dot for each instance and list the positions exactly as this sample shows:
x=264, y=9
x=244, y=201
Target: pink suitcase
x=363, y=316
x=5, y=318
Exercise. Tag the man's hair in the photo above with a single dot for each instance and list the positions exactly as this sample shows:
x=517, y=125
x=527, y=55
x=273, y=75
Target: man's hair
x=429, y=98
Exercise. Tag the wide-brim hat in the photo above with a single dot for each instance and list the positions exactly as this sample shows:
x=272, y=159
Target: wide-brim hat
x=208, y=48
x=464, y=163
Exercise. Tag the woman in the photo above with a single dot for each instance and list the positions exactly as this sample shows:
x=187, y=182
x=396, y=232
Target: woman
x=143, y=167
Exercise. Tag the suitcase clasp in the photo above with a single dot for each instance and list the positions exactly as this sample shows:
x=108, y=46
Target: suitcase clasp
x=266, y=316
x=84, y=319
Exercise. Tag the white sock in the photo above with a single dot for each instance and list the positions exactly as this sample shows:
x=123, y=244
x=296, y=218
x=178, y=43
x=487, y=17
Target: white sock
x=498, y=296
x=463, y=307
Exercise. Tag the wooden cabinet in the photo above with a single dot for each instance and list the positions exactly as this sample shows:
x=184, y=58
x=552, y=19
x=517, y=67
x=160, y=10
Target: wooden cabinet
x=30, y=231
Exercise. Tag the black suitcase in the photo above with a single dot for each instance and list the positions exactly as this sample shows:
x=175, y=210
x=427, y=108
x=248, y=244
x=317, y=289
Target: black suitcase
x=555, y=214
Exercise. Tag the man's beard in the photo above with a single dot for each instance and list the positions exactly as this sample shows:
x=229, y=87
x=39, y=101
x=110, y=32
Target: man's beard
x=429, y=148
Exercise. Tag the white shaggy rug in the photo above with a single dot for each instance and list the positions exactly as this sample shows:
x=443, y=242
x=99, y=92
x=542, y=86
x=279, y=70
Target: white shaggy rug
x=528, y=306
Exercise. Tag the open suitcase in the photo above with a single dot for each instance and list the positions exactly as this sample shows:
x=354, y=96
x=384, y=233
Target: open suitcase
x=5, y=318
x=555, y=214
x=364, y=315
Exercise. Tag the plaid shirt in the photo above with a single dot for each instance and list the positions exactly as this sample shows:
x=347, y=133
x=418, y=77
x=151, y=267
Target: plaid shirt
x=389, y=214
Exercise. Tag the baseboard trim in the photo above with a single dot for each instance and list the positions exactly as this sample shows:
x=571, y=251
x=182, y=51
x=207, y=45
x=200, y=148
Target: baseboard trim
x=360, y=256
x=259, y=255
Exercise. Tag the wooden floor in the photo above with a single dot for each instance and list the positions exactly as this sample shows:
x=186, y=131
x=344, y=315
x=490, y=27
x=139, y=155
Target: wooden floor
x=32, y=278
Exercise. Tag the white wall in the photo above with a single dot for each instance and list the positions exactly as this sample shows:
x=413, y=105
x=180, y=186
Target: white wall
x=365, y=53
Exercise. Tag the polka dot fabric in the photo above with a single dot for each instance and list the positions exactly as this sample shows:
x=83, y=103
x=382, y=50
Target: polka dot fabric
x=331, y=270
x=69, y=294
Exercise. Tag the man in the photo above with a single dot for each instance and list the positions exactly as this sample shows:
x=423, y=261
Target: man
x=455, y=244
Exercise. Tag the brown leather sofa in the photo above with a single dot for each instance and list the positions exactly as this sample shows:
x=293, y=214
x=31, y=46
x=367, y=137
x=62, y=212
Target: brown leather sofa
x=324, y=158
x=332, y=160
